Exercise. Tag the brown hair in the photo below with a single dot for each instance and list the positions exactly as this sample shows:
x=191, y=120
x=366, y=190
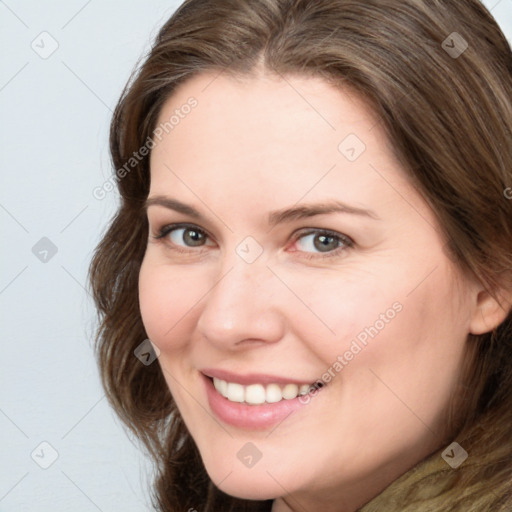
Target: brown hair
x=449, y=120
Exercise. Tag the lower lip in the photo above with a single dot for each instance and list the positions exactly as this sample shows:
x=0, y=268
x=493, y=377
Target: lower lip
x=247, y=416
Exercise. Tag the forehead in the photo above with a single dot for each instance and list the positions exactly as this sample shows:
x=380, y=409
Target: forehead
x=277, y=111
x=295, y=136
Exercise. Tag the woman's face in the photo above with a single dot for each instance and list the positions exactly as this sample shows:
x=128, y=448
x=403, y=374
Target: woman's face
x=301, y=253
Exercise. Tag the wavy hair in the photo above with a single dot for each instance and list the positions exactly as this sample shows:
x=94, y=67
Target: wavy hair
x=448, y=117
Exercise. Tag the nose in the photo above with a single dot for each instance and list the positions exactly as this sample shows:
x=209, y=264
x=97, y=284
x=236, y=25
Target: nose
x=243, y=306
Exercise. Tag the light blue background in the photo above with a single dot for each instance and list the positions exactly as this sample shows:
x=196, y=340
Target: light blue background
x=54, y=116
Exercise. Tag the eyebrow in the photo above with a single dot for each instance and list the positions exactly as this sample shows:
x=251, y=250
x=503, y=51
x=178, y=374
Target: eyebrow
x=274, y=217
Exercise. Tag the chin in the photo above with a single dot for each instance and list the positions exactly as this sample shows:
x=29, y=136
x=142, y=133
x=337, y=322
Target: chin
x=252, y=490
x=245, y=484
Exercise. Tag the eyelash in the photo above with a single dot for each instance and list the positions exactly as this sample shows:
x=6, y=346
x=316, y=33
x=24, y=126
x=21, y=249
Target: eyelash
x=346, y=242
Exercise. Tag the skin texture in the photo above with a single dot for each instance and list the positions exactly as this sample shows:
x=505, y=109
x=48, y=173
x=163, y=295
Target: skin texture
x=259, y=144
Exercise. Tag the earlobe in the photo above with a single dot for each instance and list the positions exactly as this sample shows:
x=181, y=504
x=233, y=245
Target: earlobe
x=490, y=312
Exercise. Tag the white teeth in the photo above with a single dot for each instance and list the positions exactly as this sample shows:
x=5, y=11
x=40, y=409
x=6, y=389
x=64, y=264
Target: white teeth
x=304, y=389
x=257, y=394
x=221, y=386
x=235, y=392
x=290, y=391
x=273, y=394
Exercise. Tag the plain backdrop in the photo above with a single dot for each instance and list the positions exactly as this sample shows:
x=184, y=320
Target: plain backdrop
x=63, y=66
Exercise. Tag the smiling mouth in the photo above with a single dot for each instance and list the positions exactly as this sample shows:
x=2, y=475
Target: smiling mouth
x=258, y=394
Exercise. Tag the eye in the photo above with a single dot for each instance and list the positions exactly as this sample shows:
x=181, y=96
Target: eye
x=317, y=241
x=312, y=243
x=185, y=235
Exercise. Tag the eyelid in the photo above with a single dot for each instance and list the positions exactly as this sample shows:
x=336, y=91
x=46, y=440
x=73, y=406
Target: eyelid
x=308, y=231
x=165, y=230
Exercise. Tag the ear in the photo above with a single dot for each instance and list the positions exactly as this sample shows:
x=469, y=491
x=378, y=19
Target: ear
x=490, y=312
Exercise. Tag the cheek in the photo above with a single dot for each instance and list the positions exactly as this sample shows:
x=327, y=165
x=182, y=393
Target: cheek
x=412, y=362
x=167, y=299
x=383, y=322
x=341, y=316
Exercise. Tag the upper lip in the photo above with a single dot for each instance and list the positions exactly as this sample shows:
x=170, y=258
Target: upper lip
x=251, y=378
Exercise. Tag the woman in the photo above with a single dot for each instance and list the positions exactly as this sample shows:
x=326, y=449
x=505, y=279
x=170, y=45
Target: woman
x=315, y=235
